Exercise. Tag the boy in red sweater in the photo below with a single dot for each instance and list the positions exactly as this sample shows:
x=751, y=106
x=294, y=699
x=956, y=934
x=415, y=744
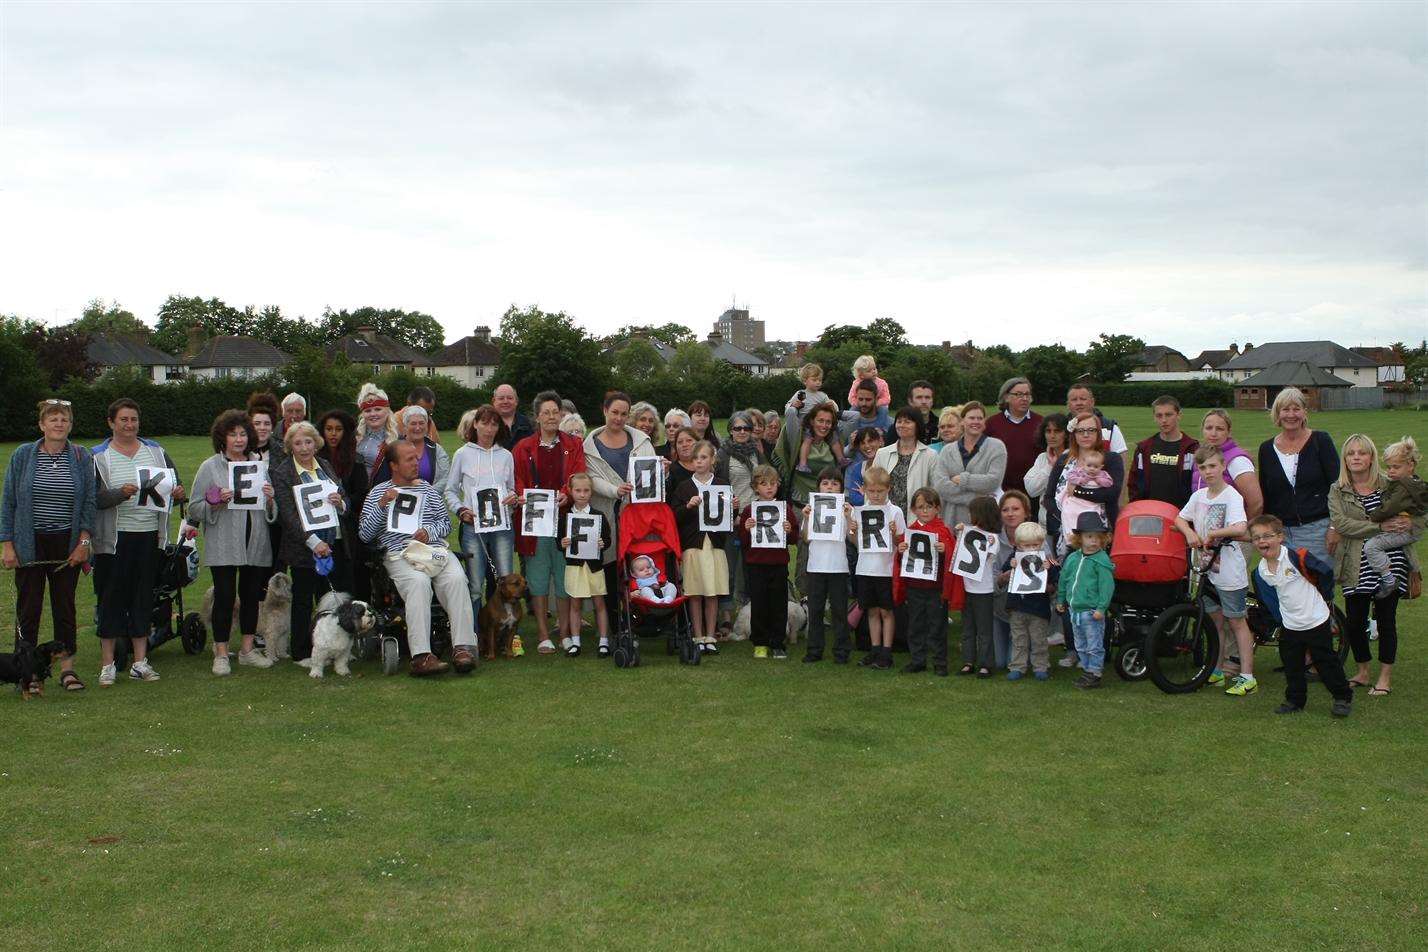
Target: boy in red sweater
x=926, y=600
x=766, y=573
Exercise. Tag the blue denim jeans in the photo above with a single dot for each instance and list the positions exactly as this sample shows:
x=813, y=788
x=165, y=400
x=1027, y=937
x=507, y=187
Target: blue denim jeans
x=1090, y=633
x=498, y=548
x=1309, y=536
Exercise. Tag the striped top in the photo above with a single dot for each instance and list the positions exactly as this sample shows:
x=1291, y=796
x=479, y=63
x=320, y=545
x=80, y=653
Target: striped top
x=1397, y=558
x=54, y=491
x=435, y=518
x=124, y=470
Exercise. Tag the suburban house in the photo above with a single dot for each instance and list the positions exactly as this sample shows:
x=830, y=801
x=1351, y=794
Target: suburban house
x=1161, y=359
x=1212, y=359
x=1357, y=370
x=107, y=351
x=369, y=348
x=1390, y=363
x=719, y=348
x=229, y=356
x=471, y=361
x=1162, y=363
x=1258, y=390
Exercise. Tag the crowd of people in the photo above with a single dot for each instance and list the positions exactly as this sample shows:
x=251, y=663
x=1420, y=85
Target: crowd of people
x=1050, y=484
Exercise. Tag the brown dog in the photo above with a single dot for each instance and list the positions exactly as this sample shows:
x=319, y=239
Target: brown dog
x=500, y=615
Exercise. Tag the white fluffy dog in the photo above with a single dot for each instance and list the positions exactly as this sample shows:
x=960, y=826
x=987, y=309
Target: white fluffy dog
x=274, y=616
x=797, y=620
x=339, y=618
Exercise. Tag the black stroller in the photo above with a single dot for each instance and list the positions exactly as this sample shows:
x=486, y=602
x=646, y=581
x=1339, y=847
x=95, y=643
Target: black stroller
x=178, y=567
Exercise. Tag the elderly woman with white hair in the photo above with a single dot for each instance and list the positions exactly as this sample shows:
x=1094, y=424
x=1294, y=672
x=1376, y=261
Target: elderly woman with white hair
x=645, y=418
x=376, y=426
x=435, y=464
x=1296, y=469
x=674, y=421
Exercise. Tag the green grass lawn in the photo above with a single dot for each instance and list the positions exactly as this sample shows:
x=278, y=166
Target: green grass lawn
x=550, y=803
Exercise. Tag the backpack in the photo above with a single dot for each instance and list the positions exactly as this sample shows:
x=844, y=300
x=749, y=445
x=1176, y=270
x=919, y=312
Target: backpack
x=1303, y=561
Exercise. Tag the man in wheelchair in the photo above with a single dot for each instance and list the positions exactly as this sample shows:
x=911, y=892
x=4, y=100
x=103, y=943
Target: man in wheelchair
x=416, y=570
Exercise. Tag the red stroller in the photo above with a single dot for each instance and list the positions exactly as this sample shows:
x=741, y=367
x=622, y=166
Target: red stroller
x=648, y=530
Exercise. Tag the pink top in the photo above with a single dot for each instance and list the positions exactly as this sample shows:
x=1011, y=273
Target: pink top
x=884, y=395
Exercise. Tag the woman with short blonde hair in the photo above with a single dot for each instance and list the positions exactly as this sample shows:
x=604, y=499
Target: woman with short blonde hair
x=1296, y=469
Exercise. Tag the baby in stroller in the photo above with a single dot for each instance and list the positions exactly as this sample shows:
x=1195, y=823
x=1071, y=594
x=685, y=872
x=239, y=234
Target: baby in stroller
x=647, y=584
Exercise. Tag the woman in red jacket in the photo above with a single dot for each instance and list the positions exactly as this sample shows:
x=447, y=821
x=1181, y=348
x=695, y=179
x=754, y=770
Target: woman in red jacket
x=546, y=460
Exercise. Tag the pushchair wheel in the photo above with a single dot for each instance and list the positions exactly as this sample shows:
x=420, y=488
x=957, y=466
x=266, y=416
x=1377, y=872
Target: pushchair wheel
x=1130, y=663
x=391, y=656
x=192, y=633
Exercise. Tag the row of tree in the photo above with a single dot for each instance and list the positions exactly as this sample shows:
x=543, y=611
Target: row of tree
x=550, y=350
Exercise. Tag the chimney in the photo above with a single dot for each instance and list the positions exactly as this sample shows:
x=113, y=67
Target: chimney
x=1248, y=347
x=483, y=333
x=1234, y=349
x=946, y=345
x=195, y=339
x=367, y=332
x=715, y=338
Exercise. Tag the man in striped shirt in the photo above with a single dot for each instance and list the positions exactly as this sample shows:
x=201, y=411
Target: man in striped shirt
x=416, y=586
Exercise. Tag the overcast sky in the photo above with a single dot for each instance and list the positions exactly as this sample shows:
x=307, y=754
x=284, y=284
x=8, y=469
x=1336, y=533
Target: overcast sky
x=1192, y=174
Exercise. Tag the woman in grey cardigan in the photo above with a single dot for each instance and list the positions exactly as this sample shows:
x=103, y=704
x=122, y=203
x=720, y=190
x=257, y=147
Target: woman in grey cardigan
x=236, y=545
x=971, y=467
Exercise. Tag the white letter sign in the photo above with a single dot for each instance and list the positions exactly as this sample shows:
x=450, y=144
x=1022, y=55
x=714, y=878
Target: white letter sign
x=716, y=508
x=921, y=558
x=584, y=535
x=974, y=554
x=647, y=478
x=768, y=531
x=404, y=514
x=315, y=510
x=538, y=513
x=156, y=488
x=1029, y=574
x=487, y=513
x=246, y=479
x=825, y=518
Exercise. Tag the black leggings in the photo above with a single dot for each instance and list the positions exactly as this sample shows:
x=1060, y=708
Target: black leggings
x=1357, y=618
x=249, y=582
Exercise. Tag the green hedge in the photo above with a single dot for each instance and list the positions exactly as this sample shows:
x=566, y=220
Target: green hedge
x=1190, y=393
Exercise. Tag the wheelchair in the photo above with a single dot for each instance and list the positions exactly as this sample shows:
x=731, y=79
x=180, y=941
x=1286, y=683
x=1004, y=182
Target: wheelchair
x=388, y=638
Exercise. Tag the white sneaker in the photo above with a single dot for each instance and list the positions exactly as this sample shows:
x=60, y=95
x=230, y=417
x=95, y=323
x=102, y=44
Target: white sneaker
x=221, y=667
x=1070, y=661
x=254, y=659
x=106, y=676
x=142, y=671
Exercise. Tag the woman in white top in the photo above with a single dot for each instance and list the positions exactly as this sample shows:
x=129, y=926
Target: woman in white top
x=483, y=461
x=1050, y=444
x=608, y=450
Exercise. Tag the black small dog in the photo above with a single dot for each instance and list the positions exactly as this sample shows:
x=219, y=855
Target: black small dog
x=28, y=667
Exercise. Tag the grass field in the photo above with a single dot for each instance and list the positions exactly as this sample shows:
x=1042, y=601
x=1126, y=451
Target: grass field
x=567, y=804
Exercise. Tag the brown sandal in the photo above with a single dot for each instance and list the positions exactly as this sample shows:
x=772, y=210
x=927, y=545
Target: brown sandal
x=70, y=681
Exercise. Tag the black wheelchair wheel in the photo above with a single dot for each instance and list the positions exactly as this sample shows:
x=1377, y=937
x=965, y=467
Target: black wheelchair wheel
x=192, y=634
x=1130, y=663
x=1182, y=649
